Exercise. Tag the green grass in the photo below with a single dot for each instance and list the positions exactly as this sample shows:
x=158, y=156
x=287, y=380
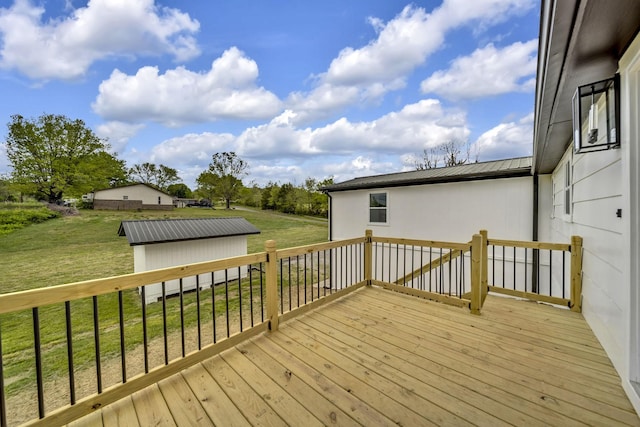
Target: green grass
x=87, y=246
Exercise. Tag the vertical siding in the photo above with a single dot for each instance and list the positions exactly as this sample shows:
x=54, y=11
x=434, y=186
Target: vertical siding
x=171, y=254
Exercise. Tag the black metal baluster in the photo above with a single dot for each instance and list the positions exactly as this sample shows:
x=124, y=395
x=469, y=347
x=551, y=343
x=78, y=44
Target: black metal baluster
x=550, y=272
x=440, y=267
x=251, y=292
x=311, y=274
x=514, y=268
x=305, y=279
x=297, y=280
x=213, y=306
x=96, y=336
x=240, y=297
x=226, y=298
x=145, y=336
x=198, y=312
x=525, y=270
x=430, y=267
x=123, y=355
x=289, y=275
x=164, y=323
x=182, y=342
x=38, y=355
x=493, y=263
x=72, y=382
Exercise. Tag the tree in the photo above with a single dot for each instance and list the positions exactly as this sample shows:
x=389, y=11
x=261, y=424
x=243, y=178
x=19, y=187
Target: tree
x=224, y=176
x=53, y=155
x=159, y=176
x=451, y=153
x=180, y=190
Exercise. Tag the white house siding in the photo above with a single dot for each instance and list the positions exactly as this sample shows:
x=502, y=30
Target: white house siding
x=162, y=255
x=451, y=212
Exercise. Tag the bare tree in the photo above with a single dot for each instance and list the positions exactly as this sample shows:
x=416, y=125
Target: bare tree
x=451, y=153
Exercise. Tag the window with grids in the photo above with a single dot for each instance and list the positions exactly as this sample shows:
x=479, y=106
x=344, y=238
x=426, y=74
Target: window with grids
x=378, y=208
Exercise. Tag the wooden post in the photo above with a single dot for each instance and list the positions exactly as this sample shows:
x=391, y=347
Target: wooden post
x=576, y=274
x=485, y=265
x=368, y=261
x=272, y=285
x=476, y=274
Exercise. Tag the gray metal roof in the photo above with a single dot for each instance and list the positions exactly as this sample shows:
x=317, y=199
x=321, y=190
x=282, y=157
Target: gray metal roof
x=142, y=232
x=469, y=172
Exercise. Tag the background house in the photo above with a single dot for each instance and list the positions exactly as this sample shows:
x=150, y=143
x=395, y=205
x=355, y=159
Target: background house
x=172, y=242
x=448, y=204
x=132, y=197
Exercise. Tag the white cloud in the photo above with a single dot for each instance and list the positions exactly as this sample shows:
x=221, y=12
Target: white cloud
x=65, y=47
x=227, y=91
x=191, y=148
x=416, y=126
x=118, y=134
x=403, y=43
x=486, y=72
x=507, y=140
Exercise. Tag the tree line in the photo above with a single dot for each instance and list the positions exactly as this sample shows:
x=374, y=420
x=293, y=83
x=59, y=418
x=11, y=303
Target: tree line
x=54, y=157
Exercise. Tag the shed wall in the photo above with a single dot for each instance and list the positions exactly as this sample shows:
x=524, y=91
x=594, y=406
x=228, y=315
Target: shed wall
x=162, y=255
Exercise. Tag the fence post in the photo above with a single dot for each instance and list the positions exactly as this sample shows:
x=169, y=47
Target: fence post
x=272, y=285
x=485, y=264
x=368, y=257
x=576, y=274
x=476, y=274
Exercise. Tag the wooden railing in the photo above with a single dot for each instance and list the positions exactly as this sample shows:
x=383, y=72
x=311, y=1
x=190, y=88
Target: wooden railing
x=250, y=294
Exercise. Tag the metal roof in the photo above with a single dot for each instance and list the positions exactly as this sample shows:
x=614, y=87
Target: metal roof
x=469, y=172
x=142, y=232
x=580, y=42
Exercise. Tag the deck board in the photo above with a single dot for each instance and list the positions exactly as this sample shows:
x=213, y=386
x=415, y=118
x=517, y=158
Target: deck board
x=376, y=357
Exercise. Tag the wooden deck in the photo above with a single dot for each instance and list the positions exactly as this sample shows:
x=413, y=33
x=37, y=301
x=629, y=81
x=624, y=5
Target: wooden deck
x=380, y=358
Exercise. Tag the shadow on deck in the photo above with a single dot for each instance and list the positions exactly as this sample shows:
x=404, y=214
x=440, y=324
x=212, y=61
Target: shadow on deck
x=376, y=357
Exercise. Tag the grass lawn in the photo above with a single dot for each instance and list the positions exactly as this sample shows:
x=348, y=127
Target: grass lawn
x=87, y=246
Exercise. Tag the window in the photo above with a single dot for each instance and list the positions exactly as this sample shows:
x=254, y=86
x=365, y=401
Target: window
x=159, y=200
x=567, y=188
x=125, y=197
x=378, y=207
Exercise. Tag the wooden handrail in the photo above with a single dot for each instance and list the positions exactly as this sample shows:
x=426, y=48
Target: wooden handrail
x=416, y=242
x=58, y=294
x=530, y=245
x=302, y=250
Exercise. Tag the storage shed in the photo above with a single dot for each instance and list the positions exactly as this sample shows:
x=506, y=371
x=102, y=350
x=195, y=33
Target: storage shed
x=165, y=243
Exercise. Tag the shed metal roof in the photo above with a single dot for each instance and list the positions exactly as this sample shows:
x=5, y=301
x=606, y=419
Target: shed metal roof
x=143, y=232
x=469, y=172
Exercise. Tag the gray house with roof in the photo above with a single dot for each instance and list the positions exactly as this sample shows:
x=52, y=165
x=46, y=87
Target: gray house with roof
x=451, y=203
x=172, y=242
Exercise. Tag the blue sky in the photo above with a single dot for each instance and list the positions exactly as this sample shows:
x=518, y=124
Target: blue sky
x=297, y=89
